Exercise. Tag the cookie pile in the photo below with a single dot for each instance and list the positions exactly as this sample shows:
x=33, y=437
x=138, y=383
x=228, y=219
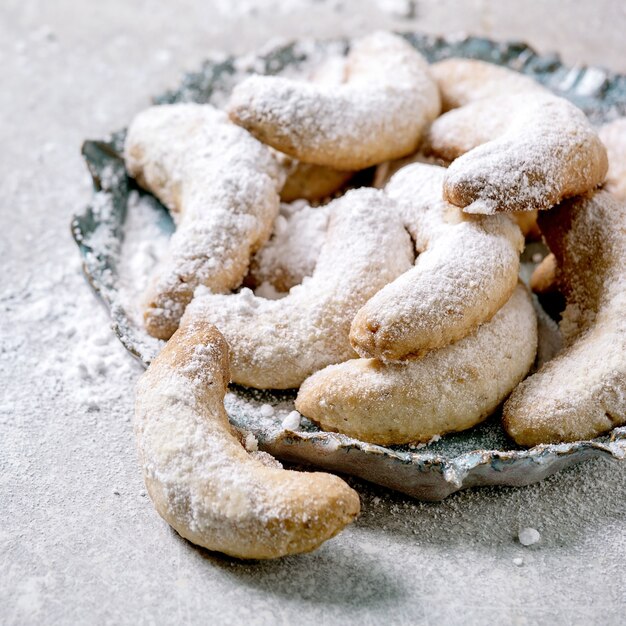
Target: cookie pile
x=400, y=316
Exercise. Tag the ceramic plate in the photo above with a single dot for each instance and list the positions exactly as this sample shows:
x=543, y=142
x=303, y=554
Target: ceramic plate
x=480, y=456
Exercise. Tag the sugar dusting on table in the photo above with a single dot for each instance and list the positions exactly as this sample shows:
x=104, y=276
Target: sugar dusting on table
x=404, y=560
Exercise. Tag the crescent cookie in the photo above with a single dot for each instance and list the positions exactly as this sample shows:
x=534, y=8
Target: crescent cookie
x=517, y=153
x=466, y=270
x=581, y=393
x=379, y=113
x=222, y=187
x=276, y=344
x=613, y=136
x=201, y=479
x=450, y=389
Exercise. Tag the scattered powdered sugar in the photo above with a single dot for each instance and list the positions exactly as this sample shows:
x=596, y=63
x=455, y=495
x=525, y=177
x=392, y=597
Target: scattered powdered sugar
x=528, y=537
x=292, y=421
x=103, y=238
x=424, y=444
x=253, y=403
x=147, y=230
x=266, y=410
x=250, y=442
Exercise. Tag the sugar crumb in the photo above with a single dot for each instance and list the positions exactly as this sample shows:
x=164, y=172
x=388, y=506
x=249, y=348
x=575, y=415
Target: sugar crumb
x=529, y=536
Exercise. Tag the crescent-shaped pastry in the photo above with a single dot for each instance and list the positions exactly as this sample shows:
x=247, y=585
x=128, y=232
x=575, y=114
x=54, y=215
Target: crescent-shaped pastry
x=201, y=479
x=580, y=393
x=379, y=113
x=450, y=389
x=466, y=269
x=222, y=187
x=517, y=153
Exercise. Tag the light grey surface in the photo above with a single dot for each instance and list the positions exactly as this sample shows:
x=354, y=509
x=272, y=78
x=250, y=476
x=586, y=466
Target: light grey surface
x=79, y=541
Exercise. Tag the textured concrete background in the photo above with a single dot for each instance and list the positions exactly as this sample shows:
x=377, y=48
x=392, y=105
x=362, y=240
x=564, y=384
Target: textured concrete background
x=79, y=541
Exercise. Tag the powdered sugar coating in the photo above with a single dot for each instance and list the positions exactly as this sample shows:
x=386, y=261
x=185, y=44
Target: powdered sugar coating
x=517, y=153
x=201, y=479
x=222, y=187
x=292, y=252
x=581, y=393
x=307, y=181
x=278, y=343
x=613, y=136
x=465, y=271
x=450, y=389
x=388, y=98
